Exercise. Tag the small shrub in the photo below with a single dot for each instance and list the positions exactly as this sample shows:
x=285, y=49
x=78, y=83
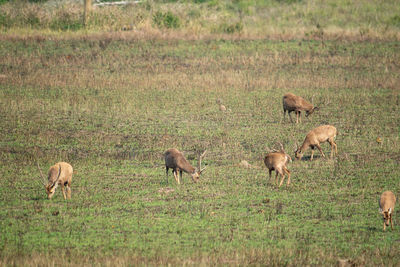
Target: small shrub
x=32, y=20
x=5, y=21
x=166, y=20
x=231, y=28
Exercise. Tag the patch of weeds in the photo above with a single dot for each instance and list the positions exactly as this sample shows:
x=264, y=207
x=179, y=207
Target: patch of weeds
x=166, y=20
x=288, y=1
x=194, y=13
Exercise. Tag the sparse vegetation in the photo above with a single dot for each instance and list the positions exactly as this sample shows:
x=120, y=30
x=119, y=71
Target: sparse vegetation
x=111, y=98
x=245, y=19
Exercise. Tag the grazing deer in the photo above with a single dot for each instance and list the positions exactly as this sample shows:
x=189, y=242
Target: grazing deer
x=386, y=207
x=277, y=161
x=59, y=174
x=314, y=138
x=297, y=104
x=175, y=160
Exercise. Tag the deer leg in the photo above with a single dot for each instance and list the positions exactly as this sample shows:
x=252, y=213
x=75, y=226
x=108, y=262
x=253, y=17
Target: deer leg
x=270, y=172
x=312, y=154
x=333, y=147
x=276, y=177
x=297, y=117
x=300, y=116
x=384, y=226
x=290, y=117
x=63, y=191
x=320, y=150
x=288, y=173
x=180, y=178
x=68, y=189
x=166, y=172
x=175, y=172
x=391, y=222
x=283, y=178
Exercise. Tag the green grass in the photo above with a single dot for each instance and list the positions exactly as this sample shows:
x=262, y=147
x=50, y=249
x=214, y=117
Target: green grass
x=112, y=107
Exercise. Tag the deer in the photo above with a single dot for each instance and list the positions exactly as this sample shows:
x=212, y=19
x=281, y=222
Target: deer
x=314, y=139
x=175, y=160
x=297, y=104
x=59, y=174
x=277, y=160
x=386, y=207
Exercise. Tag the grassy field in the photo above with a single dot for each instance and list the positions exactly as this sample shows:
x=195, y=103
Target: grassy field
x=111, y=107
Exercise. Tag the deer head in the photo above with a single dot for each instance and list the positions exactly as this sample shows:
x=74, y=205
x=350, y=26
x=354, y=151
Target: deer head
x=309, y=112
x=386, y=215
x=199, y=170
x=298, y=153
x=52, y=184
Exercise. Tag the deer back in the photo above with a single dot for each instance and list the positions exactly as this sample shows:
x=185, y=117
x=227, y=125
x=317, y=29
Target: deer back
x=175, y=159
x=64, y=176
x=276, y=160
x=320, y=134
x=387, y=200
x=293, y=102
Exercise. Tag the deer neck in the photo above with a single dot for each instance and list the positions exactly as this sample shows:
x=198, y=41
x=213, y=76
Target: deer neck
x=304, y=147
x=186, y=167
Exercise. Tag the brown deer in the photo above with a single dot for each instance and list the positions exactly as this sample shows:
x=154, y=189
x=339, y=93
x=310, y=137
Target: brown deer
x=277, y=160
x=314, y=138
x=175, y=160
x=386, y=207
x=297, y=104
x=59, y=174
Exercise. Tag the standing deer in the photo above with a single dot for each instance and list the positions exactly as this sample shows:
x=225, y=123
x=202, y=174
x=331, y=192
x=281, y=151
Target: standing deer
x=175, y=160
x=277, y=161
x=386, y=207
x=297, y=104
x=321, y=134
x=59, y=174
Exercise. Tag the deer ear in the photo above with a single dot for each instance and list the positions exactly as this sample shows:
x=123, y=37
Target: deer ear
x=380, y=210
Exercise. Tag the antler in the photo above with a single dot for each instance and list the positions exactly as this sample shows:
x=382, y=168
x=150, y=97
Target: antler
x=41, y=174
x=200, y=158
x=280, y=144
x=58, y=177
x=295, y=144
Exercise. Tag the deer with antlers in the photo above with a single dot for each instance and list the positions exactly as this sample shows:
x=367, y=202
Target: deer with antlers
x=59, y=174
x=314, y=139
x=175, y=160
x=277, y=160
x=297, y=104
